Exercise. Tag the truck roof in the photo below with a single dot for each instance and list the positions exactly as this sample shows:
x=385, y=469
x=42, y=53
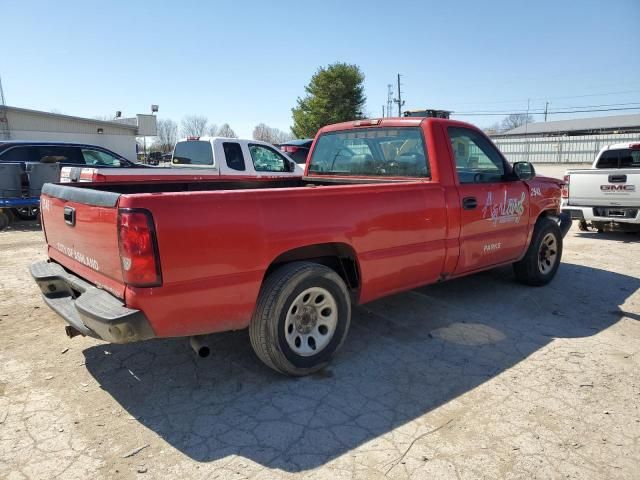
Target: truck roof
x=616, y=146
x=391, y=122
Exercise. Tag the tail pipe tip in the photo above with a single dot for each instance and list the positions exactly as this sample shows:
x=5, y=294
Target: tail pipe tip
x=199, y=346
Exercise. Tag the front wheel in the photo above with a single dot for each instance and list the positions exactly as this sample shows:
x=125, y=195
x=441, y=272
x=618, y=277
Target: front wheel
x=541, y=262
x=301, y=319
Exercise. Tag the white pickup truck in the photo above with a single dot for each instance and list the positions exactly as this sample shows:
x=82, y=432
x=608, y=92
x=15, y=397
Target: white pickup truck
x=200, y=158
x=232, y=156
x=606, y=196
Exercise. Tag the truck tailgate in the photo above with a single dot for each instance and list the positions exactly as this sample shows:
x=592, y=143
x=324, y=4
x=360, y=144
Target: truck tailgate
x=604, y=188
x=81, y=230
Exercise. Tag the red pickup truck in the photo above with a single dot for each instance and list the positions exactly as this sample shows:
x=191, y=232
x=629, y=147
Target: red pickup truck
x=384, y=206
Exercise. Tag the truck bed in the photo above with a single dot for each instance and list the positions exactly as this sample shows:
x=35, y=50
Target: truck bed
x=217, y=239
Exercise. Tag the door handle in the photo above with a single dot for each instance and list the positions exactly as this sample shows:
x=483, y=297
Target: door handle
x=70, y=216
x=469, y=203
x=617, y=178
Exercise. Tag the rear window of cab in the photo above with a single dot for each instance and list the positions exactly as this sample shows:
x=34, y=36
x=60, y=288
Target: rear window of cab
x=381, y=152
x=193, y=152
x=619, y=158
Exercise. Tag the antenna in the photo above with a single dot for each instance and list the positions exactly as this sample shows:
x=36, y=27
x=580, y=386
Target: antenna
x=4, y=123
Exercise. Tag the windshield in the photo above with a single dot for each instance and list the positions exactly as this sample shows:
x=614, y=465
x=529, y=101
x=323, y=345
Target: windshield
x=194, y=152
x=387, y=152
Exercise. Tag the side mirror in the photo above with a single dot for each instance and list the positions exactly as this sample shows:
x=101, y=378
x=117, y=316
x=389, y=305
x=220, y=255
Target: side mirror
x=524, y=170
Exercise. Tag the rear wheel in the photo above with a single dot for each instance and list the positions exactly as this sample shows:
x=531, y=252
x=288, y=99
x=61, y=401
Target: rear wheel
x=26, y=213
x=541, y=262
x=4, y=220
x=301, y=319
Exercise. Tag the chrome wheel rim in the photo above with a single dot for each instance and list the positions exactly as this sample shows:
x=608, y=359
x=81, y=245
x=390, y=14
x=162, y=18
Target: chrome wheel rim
x=311, y=321
x=548, y=253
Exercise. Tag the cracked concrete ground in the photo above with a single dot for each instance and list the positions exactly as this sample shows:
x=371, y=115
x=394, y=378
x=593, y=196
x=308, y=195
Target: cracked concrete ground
x=475, y=378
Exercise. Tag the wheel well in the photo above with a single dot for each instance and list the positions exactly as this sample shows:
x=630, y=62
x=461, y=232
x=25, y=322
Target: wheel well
x=547, y=213
x=337, y=256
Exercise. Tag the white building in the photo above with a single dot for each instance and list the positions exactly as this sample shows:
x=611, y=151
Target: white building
x=116, y=135
x=567, y=141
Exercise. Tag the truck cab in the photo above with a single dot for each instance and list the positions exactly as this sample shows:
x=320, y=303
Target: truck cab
x=233, y=157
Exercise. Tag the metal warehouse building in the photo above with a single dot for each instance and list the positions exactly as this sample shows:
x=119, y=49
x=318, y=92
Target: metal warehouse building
x=567, y=141
x=117, y=135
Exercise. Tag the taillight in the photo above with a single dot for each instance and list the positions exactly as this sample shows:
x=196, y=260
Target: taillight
x=565, y=186
x=138, y=248
x=366, y=123
x=88, y=174
x=289, y=149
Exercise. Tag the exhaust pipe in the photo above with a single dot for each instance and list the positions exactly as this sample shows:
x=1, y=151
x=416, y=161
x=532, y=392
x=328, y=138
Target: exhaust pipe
x=199, y=346
x=71, y=331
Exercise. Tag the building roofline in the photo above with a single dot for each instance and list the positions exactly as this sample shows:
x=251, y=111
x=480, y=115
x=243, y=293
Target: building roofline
x=71, y=117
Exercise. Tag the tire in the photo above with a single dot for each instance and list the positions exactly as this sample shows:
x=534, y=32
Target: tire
x=26, y=213
x=301, y=318
x=4, y=220
x=541, y=262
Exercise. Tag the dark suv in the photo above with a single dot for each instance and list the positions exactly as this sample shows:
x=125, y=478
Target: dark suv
x=66, y=154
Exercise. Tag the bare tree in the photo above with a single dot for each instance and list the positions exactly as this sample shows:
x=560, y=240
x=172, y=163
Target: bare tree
x=167, y=135
x=212, y=130
x=194, y=126
x=226, y=131
x=493, y=129
x=268, y=134
x=516, y=120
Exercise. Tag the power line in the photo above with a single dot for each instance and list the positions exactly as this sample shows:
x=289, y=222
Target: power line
x=522, y=100
x=550, y=112
x=541, y=110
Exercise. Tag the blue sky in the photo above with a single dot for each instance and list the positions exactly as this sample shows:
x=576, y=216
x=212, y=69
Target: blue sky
x=246, y=62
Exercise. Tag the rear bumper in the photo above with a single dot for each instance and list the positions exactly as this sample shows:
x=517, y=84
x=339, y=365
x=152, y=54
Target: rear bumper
x=89, y=310
x=590, y=214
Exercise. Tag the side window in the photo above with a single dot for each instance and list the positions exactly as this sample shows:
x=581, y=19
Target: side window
x=234, y=156
x=53, y=154
x=477, y=160
x=16, y=154
x=99, y=158
x=266, y=159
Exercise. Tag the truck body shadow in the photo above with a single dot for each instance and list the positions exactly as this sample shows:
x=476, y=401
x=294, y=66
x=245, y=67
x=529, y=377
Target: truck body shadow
x=406, y=355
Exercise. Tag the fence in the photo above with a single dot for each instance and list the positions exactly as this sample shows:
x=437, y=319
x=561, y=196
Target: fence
x=560, y=149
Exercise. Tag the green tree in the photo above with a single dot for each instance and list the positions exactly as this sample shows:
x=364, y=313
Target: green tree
x=335, y=94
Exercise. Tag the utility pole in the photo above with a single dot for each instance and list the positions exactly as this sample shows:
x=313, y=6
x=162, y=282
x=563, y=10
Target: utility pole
x=546, y=106
x=5, y=134
x=389, y=99
x=382, y=111
x=399, y=99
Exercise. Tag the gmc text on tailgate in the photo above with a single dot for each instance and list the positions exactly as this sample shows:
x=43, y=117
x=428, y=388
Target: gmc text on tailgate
x=384, y=206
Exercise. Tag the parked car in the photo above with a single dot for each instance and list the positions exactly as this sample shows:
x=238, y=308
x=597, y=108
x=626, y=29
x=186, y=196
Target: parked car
x=233, y=156
x=63, y=153
x=297, y=149
x=607, y=196
x=28, y=153
x=387, y=205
